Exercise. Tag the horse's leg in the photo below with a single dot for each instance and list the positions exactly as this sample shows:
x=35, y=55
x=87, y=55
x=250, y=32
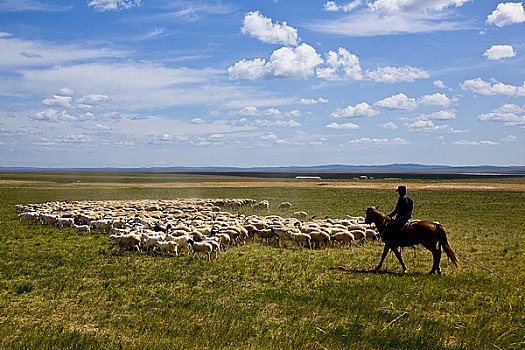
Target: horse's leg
x=385, y=252
x=436, y=254
x=398, y=256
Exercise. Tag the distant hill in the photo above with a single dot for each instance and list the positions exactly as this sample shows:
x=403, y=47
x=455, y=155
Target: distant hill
x=333, y=168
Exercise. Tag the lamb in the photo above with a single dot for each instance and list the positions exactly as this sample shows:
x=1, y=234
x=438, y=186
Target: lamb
x=101, y=224
x=215, y=244
x=126, y=242
x=301, y=215
x=224, y=239
x=29, y=216
x=182, y=241
x=265, y=234
x=285, y=205
x=168, y=247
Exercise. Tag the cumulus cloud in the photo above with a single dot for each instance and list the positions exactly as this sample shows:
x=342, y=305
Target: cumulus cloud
x=360, y=110
x=255, y=112
x=389, y=125
x=441, y=115
x=113, y=5
x=436, y=99
x=94, y=99
x=397, y=74
x=425, y=125
x=508, y=114
x=256, y=25
x=507, y=13
x=58, y=101
x=397, y=102
x=334, y=125
x=52, y=115
x=293, y=63
x=497, y=52
x=482, y=87
x=313, y=101
x=342, y=65
x=332, y=6
x=440, y=84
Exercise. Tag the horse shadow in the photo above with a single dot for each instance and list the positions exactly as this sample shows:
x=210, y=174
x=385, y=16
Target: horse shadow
x=371, y=271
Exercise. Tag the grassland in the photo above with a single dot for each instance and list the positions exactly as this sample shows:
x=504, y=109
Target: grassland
x=61, y=289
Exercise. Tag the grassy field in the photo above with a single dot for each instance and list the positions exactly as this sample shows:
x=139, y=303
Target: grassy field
x=61, y=289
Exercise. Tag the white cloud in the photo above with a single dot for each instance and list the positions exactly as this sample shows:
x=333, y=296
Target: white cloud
x=75, y=138
x=67, y=91
x=475, y=143
x=313, y=101
x=29, y=5
x=256, y=25
x=482, y=87
x=400, y=6
x=397, y=102
x=436, y=99
x=342, y=65
x=441, y=115
x=507, y=13
x=24, y=53
x=94, y=99
x=360, y=110
x=497, y=52
x=113, y=5
x=389, y=125
x=510, y=138
x=334, y=125
x=272, y=137
x=58, y=101
x=386, y=17
x=397, y=74
x=198, y=121
x=332, y=6
x=52, y=115
x=425, y=125
x=376, y=141
x=255, y=112
x=293, y=63
x=508, y=114
x=440, y=84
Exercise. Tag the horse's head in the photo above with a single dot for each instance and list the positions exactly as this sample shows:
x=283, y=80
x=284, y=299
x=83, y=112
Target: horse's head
x=370, y=215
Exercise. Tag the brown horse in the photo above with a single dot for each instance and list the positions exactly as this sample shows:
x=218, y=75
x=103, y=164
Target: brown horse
x=423, y=232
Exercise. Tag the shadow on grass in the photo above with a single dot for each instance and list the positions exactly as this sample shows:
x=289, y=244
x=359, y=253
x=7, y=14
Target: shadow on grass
x=373, y=271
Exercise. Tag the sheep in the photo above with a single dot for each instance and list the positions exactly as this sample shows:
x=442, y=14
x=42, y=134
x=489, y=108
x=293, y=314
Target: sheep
x=101, y=224
x=215, y=244
x=301, y=215
x=301, y=238
x=126, y=242
x=168, y=247
x=65, y=222
x=29, y=216
x=285, y=205
x=201, y=247
x=264, y=204
x=319, y=237
x=182, y=241
x=82, y=228
x=224, y=239
x=266, y=234
x=343, y=238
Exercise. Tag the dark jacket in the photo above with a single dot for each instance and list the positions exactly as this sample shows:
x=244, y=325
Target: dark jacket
x=403, y=209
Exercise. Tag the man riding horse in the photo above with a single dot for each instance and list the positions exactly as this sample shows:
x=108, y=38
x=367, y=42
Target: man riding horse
x=403, y=213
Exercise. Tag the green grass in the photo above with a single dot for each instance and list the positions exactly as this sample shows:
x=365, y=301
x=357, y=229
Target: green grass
x=61, y=289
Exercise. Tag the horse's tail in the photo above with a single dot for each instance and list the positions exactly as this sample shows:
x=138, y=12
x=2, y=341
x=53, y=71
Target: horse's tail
x=443, y=242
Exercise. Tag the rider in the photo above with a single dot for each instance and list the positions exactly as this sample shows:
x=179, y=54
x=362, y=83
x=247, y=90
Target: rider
x=403, y=210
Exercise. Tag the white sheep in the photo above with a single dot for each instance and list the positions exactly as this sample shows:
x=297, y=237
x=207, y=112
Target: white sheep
x=264, y=204
x=202, y=247
x=301, y=215
x=285, y=205
x=65, y=222
x=82, y=228
x=301, y=239
x=126, y=242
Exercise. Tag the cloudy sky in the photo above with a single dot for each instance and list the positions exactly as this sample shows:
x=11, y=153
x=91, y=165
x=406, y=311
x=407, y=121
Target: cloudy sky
x=132, y=83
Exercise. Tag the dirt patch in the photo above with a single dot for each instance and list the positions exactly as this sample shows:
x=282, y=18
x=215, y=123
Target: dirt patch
x=481, y=186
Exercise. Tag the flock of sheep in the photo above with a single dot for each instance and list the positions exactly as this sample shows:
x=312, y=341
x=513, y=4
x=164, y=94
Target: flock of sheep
x=197, y=226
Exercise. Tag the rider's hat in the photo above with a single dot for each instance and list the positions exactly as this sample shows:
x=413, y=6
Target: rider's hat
x=401, y=189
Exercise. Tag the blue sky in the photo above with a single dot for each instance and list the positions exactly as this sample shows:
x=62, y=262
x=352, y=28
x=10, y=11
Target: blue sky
x=131, y=83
